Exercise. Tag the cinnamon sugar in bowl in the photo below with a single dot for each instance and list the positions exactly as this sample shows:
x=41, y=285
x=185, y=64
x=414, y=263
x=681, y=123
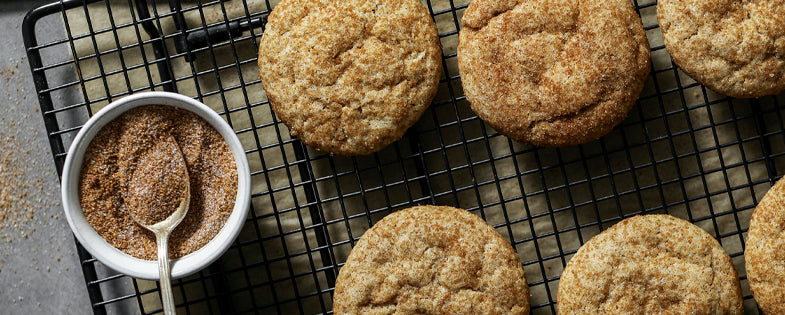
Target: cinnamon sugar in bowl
x=98, y=164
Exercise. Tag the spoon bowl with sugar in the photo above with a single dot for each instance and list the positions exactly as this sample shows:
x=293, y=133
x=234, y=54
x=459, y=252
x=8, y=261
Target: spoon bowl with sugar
x=158, y=197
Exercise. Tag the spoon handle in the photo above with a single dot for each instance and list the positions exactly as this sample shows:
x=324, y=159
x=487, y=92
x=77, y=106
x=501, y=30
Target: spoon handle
x=163, y=272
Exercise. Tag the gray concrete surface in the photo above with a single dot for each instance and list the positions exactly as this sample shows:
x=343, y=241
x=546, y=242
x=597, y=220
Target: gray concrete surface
x=39, y=268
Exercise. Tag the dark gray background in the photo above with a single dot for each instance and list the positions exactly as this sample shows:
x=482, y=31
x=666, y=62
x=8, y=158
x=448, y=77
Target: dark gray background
x=39, y=273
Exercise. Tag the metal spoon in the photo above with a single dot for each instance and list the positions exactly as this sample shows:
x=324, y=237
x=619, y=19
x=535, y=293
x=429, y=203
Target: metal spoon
x=159, y=181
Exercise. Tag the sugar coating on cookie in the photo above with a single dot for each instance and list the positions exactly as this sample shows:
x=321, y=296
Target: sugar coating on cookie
x=349, y=77
x=736, y=48
x=430, y=259
x=653, y=264
x=765, y=251
x=552, y=72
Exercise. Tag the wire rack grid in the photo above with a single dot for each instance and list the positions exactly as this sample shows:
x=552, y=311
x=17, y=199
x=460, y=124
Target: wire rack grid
x=683, y=150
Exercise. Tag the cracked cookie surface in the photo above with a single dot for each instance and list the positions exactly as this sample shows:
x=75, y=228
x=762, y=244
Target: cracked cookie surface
x=431, y=260
x=552, y=73
x=349, y=77
x=736, y=48
x=765, y=251
x=652, y=264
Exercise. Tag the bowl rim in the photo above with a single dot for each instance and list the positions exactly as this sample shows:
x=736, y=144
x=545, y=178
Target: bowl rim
x=117, y=259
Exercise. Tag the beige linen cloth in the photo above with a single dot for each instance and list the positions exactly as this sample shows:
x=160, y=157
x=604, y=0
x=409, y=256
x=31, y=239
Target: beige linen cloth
x=673, y=154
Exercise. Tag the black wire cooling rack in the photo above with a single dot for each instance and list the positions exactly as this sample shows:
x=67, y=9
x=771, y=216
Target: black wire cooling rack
x=683, y=150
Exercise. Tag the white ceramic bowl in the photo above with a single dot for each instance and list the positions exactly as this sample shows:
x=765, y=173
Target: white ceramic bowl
x=113, y=257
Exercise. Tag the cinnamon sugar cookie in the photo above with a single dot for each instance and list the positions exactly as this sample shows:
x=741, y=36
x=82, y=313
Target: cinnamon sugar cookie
x=736, y=48
x=349, y=77
x=431, y=260
x=552, y=73
x=765, y=251
x=653, y=264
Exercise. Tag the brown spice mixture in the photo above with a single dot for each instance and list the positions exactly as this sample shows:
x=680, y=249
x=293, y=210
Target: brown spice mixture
x=110, y=162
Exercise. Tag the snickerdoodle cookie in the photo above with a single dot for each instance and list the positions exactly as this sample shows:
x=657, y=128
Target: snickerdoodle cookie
x=349, y=77
x=428, y=260
x=653, y=264
x=736, y=48
x=765, y=252
x=552, y=73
